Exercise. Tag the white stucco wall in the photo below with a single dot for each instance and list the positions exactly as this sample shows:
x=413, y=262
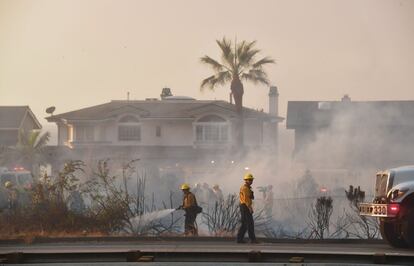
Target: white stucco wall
x=178, y=132
x=270, y=132
x=253, y=132
x=173, y=133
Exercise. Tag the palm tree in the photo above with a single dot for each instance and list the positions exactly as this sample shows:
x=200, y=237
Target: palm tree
x=238, y=63
x=30, y=148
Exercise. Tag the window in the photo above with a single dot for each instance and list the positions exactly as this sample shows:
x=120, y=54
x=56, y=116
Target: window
x=199, y=133
x=129, y=119
x=212, y=133
x=224, y=132
x=129, y=132
x=211, y=129
x=129, y=129
x=211, y=118
x=84, y=133
x=158, y=131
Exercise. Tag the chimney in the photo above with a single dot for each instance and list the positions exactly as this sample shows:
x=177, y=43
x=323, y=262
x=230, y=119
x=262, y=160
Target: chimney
x=346, y=98
x=165, y=93
x=273, y=101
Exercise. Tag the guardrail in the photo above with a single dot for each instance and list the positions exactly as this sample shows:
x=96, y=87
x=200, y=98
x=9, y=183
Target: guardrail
x=156, y=249
x=225, y=256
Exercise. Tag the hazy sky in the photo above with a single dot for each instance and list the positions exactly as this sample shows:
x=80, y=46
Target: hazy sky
x=78, y=53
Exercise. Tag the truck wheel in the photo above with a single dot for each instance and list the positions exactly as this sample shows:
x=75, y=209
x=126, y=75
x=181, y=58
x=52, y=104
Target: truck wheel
x=390, y=233
x=408, y=228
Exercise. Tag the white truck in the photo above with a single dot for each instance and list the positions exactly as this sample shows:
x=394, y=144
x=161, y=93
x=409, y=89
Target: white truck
x=393, y=204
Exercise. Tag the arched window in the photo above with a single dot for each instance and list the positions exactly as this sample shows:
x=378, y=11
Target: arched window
x=211, y=118
x=128, y=119
x=129, y=128
x=211, y=129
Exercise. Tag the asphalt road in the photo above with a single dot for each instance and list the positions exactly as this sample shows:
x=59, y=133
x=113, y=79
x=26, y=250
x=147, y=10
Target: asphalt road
x=360, y=247
x=199, y=250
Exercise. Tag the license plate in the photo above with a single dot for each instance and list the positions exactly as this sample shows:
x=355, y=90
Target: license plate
x=371, y=209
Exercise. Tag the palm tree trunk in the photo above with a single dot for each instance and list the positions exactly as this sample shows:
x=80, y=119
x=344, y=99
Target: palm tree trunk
x=236, y=88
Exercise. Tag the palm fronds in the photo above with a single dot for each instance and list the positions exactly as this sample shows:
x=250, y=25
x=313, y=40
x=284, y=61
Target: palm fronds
x=256, y=76
x=263, y=61
x=238, y=61
x=213, y=63
x=218, y=79
x=227, y=56
x=30, y=148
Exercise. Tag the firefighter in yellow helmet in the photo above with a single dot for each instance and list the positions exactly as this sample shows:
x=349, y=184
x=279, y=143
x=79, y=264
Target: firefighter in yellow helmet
x=191, y=210
x=246, y=210
x=8, y=184
x=12, y=195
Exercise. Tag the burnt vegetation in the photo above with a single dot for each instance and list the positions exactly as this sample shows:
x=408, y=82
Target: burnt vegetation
x=360, y=226
x=223, y=218
x=82, y=200
x=64, y=205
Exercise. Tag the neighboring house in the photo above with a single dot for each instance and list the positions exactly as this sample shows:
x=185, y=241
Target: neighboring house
x=13, y=119
x=376, y=132
x=170, y=127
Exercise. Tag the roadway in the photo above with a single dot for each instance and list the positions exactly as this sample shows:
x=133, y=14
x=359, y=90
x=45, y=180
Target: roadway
x=207, y=250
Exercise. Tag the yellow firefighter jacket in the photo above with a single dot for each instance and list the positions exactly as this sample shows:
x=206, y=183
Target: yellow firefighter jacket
x=246, y=196
x=189, y=200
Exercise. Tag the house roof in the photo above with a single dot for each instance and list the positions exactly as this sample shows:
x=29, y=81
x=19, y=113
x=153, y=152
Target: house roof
x=184, y=108
x=12, y=117
x=322, y=113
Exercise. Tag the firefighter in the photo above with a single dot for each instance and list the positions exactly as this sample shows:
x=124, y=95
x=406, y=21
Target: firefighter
x=190, y=207
x=246, y=210
x=12, y=195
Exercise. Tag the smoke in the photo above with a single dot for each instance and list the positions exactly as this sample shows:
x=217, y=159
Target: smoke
x=360, y=136
x=141, y=223
x=345, y=146
x=358, y=140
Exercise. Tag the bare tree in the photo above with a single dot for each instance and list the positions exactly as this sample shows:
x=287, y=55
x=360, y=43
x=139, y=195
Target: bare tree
x=320, y=216
x=360, y=226
x=110, y=203
x=223, y=217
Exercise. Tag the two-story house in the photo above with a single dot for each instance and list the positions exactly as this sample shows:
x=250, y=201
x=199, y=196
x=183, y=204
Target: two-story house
x=353, y=133
x=171, y=128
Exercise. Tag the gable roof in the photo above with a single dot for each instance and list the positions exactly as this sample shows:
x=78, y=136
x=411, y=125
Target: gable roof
x=152, y=109
x=12, y=117
x=322, y=113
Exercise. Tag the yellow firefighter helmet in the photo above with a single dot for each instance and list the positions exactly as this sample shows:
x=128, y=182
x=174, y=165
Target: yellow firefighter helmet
x=248, y=176
x=8, y=184
x=185, y=186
